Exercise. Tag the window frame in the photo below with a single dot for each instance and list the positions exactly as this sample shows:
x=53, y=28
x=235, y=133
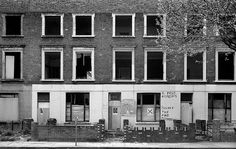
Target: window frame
x=82, y=50
x=217, y=64
x=114, y=24
x=5, y=50
x=61, y=24
x=204, y=23
x=145, y=25
x=114, y=64
x=74, y=25
x=56, y=49
x=203, y=67
x=4, y=25
x=146, y=50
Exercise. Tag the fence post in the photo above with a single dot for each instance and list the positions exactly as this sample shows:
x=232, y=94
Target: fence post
x=216, y=131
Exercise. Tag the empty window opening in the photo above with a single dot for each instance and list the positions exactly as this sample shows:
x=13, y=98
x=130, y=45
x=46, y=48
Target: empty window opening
x=83, y=66
x=77, y=106
x=123, y=26
x=226, y=66
x=123, y=65
x=115, y=96
x=13, y=25
x=148, y=107
x=195, y=66
x=219, y=106
x=52, y=25
x=155, y=25
x=52, y=65
x=12, y=65
x=155, y=65
x=43, y=97
x=83, y=25
x=195, y=25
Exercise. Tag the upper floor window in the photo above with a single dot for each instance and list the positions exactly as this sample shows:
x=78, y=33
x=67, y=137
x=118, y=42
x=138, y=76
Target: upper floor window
x=225, y=65
x=83, y=25
x=226, y=23
x=12, y=63
x=12, y=24
x=123, y=25
x=154, y=25
x=52, y=25
x=123, y=64
x=154, y=65
x=195, y=66
x=52, y=64
x=83, y=64
x=196, y=25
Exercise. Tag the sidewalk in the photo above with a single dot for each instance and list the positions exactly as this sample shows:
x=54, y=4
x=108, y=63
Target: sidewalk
x=20, y=144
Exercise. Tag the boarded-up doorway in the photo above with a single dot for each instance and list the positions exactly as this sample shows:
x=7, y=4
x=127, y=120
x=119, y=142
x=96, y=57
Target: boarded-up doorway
x=186, y=108
x=114, y=119
x=43, y=108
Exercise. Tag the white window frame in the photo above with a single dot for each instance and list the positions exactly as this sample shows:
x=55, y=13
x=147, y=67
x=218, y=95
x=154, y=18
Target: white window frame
x=82, y=50
x=61, y=24
x=114, y=64
x=216, y=64
x=145, y=25
x=74, y=25
x=114, y=24
x=146, y=50
x=4, y=25
x=5, y=50
x=44, y=50
x=204, y=29
x=203, y=67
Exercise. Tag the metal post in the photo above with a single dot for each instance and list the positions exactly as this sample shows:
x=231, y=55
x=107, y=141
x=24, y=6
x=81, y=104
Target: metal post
x=76, y=122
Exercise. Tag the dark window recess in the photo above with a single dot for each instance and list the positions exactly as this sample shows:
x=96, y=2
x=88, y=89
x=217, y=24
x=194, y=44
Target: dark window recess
x=227, y=22
x=186, y=97
x=195, y=66
x=123, y=26
x=12, y=65
x=52, y=65
x=83, y=25
x=52, y=25
x=154, y=25
x=195, y=25
x=154, y=65
x=115, y=96
x=13, y=25
x=83, y=67
x=77, y=106
x=43, y=97
x=219, y=106
x=123, y=65
x=8, y=95
x=148, y=107
x=226, y=66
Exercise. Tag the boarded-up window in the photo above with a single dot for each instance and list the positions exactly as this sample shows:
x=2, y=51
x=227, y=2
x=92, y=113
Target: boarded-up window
x=154, y=65
x=12, y=65
x=77, y=106
x=123, y=25
x=52, y=65
x=123, y=65
x=226, y=66
x=52, y=25
x=195, y=66
x=148, y=107
x=219, y=106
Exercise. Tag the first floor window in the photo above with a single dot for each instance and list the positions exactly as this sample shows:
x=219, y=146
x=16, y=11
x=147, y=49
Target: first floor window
x=154, y=25
x=12, y=63
x=219, y=106
x=148, y=107
x=77, y=107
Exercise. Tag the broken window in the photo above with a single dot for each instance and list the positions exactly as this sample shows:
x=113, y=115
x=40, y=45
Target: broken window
x=154, y=65
x=123, y=65
x=195, y=25
x=154, y=25
x=226, y=66
x=83, y=25
x=219, y=106
x=148, y=107
x=77, y=106
x=13, y=25
x=195, y=66
x=123, y=25
x=52, y=65
x=12, y=65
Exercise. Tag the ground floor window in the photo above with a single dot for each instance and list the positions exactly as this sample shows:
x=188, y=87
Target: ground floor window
x=148, y=107
x=219, y=106
x=77, y=106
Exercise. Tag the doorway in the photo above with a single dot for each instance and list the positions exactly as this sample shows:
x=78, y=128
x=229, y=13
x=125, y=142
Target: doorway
x=43, y=108
x=186, y=108
x=114, y=117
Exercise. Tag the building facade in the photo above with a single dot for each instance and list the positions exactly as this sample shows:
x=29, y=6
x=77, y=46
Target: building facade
x=94, y=60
